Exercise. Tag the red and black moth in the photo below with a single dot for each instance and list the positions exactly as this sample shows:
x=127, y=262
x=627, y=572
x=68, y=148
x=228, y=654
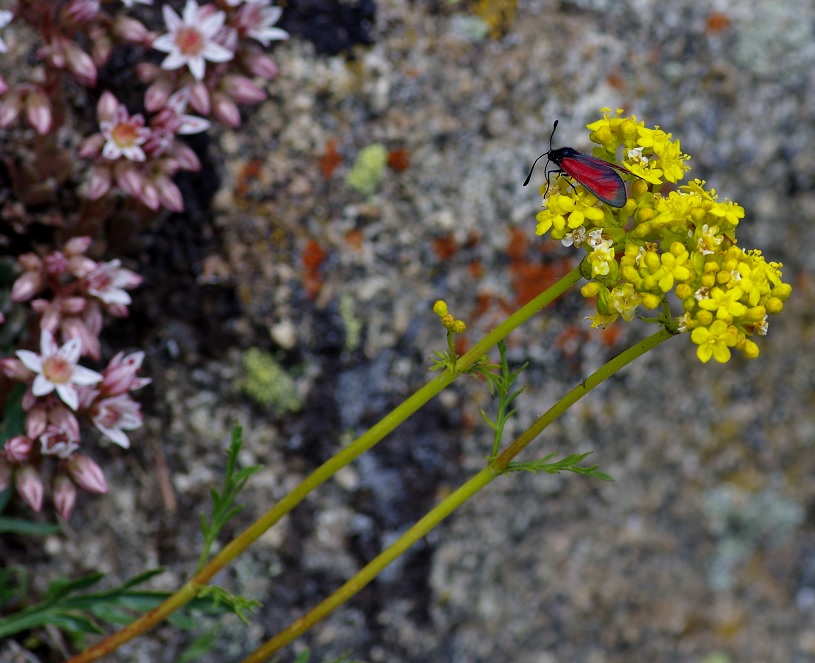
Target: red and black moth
x=597, y=176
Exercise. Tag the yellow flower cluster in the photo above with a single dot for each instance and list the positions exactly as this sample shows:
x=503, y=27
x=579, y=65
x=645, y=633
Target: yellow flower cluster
x=680, y=241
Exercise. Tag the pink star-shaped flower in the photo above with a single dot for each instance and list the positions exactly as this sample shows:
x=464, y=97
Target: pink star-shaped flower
x=190, y=40
x=57, y=369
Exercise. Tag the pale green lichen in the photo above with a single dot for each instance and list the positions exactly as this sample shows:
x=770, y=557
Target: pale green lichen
x=268, y=384
x=352, y=324
x=368, y=169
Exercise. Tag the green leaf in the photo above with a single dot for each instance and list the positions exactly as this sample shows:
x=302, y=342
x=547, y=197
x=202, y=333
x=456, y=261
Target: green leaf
x=13, y=420
x=567, y=464
x=202, y=645
x=27, y=527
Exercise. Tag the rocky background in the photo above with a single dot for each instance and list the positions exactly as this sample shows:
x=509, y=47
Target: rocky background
x=703, y=549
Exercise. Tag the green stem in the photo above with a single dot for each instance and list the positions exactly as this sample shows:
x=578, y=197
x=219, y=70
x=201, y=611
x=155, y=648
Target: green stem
x=362, y=444
x=452, y=502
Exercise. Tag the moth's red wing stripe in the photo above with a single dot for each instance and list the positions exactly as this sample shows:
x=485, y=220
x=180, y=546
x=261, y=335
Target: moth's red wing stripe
x=596, y=175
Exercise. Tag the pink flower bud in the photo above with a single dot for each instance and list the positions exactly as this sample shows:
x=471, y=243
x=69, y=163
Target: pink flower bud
x=15, y=370
x=16, y=450
x=147, y=72
x=80, y=11
x=77, y=245
x=261, y=65
x=129, y=178
x=3, y=86
x=75, y=327
x=71, y=305
x=157, y=94
x=149, y=195
x=9, y=110
x=50, y=315
x=185, y=157
x=29, y=486
x=80, y=64
x=92, y=146
x=29, y=261
x=86, y=474
x=242, y=90
x=55, y=263
x=61, y=417
x=199, y=98
x=64, y=492
x=129, y=29
x=35, y=422
x=117, y=311
x=225, y=110
x=26, y=286
x=101, y=50
x=169, y=194
x=107, y=106
x=99, y=183
x=38, y=111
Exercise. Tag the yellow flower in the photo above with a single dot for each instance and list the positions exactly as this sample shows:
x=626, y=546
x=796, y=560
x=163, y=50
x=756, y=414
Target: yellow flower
x=714, y=341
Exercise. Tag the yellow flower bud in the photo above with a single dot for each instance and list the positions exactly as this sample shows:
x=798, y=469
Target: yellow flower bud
x=750, y=349
x=651, y=261
x=459, y=326
x=644, y=214
x=651, y=301
x=603, y=136
x=782, y=291
x=722, y=277
x=440, y=308
x=708, y=280
x=448, y=321
x=774, y=305
x=704, y=318
x=591, y=289
x=756, y=313
x=638, y=188
x=628, y=132
x=684, y=291
x=697, y=215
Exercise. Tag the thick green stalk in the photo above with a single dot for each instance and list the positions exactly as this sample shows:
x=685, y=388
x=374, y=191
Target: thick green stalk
x=359, y=446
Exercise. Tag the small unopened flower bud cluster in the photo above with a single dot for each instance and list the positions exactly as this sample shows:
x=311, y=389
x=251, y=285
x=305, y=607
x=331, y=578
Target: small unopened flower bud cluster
x=681, y=243
x=447, y=319
x=69, y=293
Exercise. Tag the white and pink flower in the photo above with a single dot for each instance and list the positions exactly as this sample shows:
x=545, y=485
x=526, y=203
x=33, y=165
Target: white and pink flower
x=57, y=368
x=124, y=135
x=191, y=38
x=113, y=416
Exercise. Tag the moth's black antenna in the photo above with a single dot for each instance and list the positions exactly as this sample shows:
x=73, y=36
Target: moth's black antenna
x=529, y=177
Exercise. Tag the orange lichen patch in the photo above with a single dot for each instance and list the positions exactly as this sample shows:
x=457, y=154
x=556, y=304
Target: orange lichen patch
x=570, y=340
x=616, y=81
x=517, y=244
x=716, y=23
x=399, y=159
x=531, y=278
x=445, y=246
x=482, y=304
x=312, y=257
x=354, y=239
x=611, y=334
x=331, y=159
x=476, y=269
x=247, y=176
